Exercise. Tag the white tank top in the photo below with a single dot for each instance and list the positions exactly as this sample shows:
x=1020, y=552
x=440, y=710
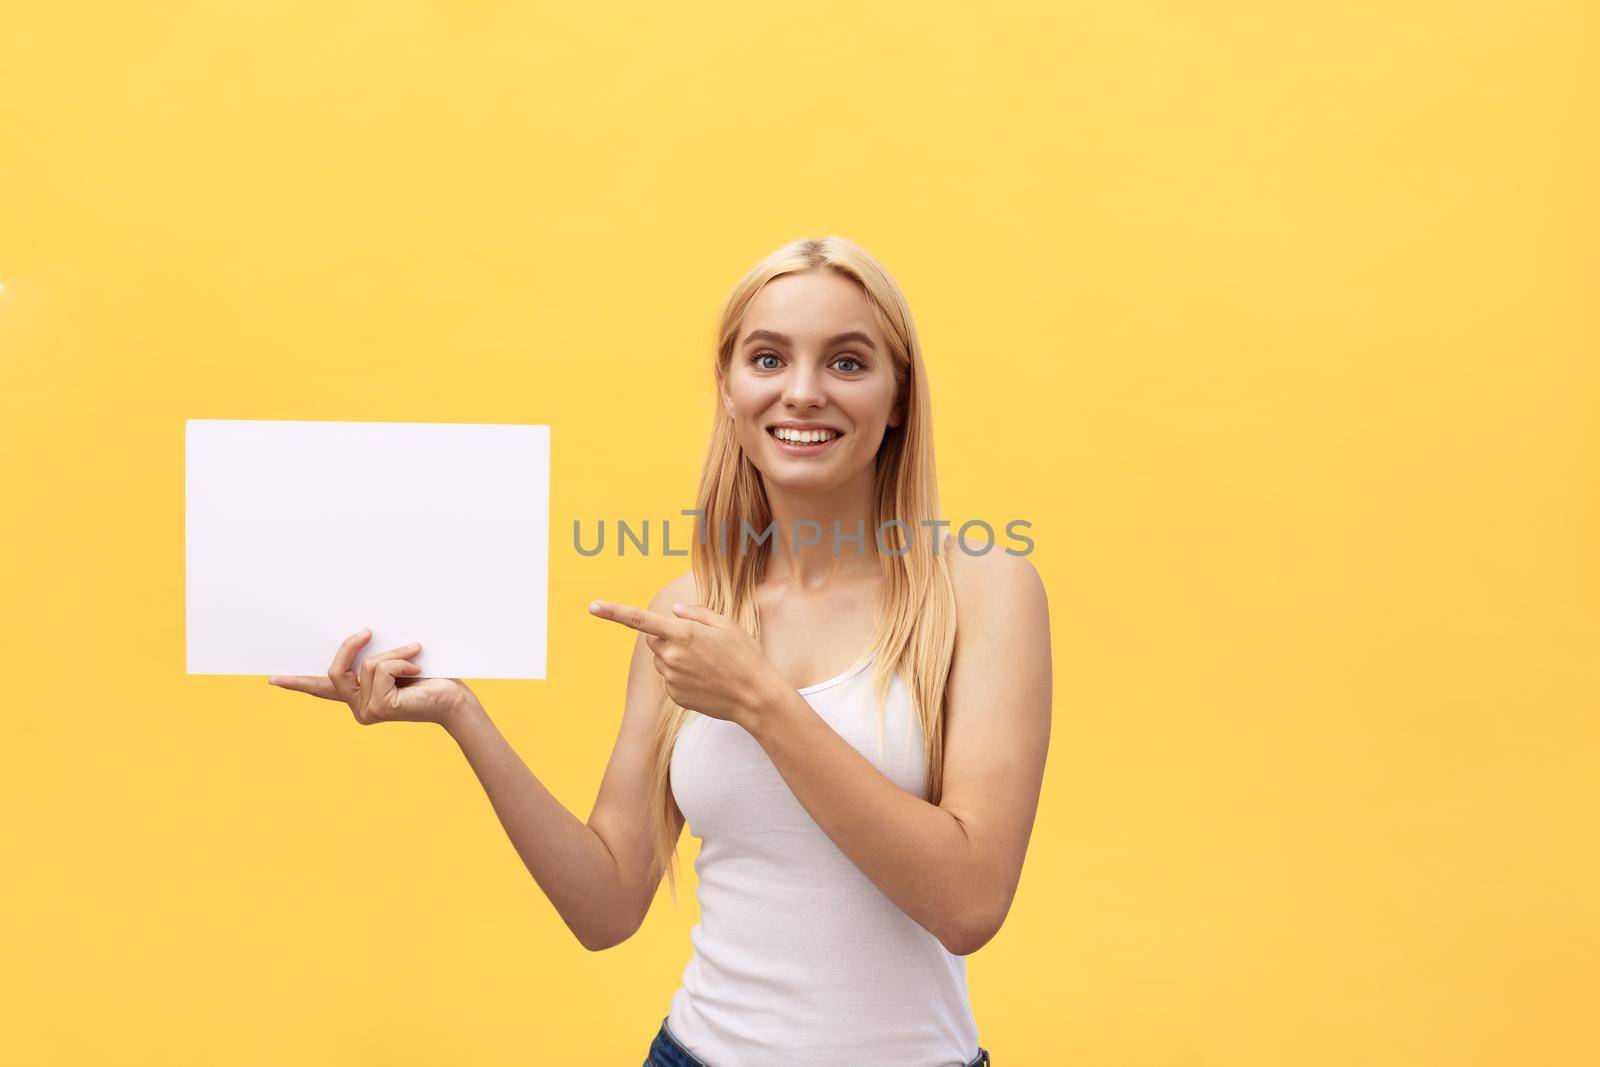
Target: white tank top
x=798, y=957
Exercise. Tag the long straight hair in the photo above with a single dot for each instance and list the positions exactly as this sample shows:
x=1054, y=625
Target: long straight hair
x=914, y=623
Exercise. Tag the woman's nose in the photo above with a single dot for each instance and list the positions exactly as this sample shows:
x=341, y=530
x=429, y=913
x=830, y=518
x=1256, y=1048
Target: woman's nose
x=803, y=389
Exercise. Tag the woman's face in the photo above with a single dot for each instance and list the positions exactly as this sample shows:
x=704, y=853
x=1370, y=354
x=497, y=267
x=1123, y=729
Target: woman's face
x=810, y=387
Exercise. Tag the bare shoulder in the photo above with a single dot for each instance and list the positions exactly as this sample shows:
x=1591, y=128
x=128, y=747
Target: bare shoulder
x=681, y=590
x=994, y=582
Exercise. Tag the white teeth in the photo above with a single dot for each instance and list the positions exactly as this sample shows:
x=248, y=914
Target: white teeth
x=803, y=437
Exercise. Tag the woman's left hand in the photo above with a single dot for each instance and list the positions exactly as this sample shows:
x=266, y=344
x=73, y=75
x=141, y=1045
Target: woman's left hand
x=710, y=664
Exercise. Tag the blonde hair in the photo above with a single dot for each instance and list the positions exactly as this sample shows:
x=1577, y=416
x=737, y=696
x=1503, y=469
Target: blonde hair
x=914, y=621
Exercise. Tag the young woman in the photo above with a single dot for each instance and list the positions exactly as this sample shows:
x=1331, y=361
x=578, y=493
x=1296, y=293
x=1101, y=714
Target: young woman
x=862, y=831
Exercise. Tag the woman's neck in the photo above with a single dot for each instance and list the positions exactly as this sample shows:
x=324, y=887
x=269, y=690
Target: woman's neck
x=805, y=551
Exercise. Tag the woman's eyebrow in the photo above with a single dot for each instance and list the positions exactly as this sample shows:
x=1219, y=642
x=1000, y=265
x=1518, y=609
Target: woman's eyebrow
x=773, y=335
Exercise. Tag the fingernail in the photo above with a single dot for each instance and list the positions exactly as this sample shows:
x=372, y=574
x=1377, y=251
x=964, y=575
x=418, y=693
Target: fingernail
x=594, y=607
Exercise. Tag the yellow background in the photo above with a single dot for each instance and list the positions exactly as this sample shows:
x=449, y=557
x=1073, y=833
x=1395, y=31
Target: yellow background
x=1277, y=322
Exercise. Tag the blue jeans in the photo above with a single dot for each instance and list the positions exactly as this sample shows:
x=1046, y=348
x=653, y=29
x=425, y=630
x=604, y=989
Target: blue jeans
x=666, y=1052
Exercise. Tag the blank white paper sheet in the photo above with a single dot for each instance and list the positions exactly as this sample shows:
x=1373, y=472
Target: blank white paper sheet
x=298, y=534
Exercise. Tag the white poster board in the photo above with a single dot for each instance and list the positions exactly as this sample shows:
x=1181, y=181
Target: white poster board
x=298, y=534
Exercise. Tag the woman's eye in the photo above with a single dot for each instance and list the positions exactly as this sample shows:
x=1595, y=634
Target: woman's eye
x=772, y=361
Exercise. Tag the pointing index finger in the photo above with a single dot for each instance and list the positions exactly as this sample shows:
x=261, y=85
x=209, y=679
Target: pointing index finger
x=636, y=618
x=304, y=683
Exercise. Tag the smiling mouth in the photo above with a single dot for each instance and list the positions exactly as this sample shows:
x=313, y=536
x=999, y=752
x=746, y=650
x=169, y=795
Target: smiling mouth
x=803, y=442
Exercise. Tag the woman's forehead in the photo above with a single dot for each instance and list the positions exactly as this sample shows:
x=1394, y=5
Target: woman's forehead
x=810, y=308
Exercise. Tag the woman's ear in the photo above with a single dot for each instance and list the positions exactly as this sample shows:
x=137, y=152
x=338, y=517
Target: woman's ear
x=897, y=415
x=722, y=393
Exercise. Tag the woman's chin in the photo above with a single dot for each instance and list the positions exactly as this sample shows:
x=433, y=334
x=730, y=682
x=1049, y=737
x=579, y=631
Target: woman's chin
x=801, y=476
x=821, y=472
x=800, y=481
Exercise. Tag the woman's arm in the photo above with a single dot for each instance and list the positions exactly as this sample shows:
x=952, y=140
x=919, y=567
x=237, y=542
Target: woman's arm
x=596, y=874
x=954, y=867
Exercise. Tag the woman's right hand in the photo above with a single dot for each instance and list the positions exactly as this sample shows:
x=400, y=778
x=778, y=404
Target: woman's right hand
x=381, y=688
